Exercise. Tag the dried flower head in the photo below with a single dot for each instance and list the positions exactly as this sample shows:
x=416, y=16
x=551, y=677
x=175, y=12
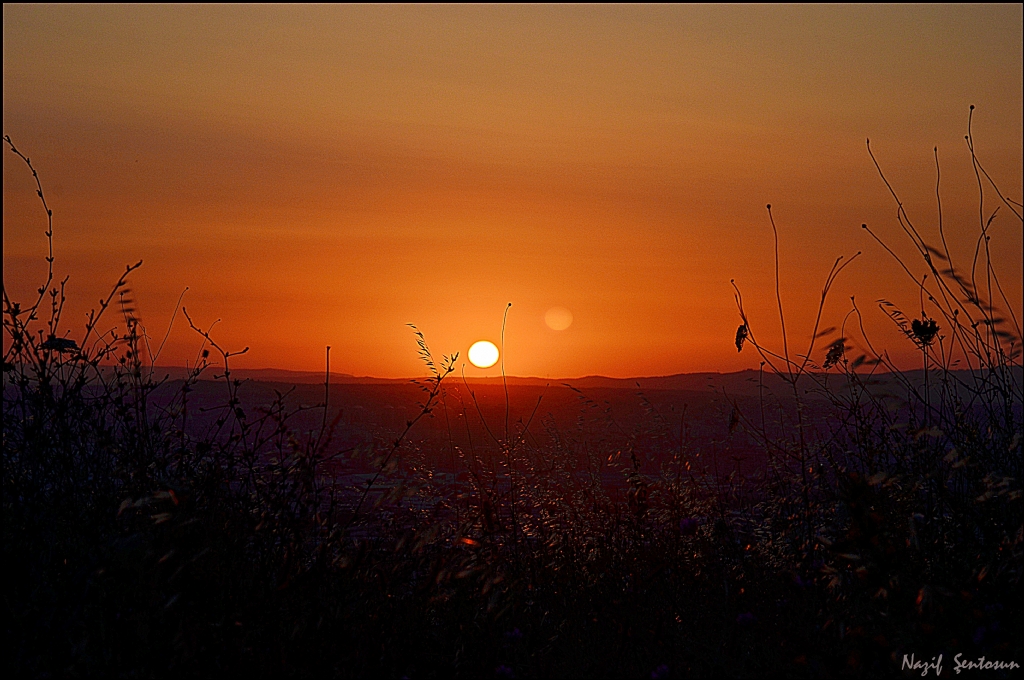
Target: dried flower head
x=741, y=336
x=835, y=354
x=924, y=331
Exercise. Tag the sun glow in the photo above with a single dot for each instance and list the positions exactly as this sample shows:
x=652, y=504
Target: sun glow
x=483, y=354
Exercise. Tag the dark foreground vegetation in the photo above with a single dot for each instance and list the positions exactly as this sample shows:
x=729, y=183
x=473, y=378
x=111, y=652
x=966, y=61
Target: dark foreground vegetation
x=151, y=537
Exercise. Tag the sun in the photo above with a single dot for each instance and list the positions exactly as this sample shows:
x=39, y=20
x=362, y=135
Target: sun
x=483, y=354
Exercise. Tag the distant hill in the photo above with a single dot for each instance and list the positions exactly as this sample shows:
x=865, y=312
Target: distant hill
x=681, y=381
x=739, y=383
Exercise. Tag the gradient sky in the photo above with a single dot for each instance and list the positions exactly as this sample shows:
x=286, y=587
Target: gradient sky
x=324, y=175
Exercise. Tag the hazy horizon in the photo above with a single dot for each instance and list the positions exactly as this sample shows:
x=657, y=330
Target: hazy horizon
x=673, y=381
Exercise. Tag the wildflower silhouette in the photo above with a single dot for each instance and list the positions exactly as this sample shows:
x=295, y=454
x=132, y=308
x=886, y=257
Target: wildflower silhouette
x=924, y=331
x=741, y=336
x=835, y=354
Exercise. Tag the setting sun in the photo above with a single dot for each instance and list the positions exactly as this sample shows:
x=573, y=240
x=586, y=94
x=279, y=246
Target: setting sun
x=483, y=354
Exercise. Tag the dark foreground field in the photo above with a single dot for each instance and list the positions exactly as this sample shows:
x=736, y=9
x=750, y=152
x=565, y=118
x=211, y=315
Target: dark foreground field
x=206, y=528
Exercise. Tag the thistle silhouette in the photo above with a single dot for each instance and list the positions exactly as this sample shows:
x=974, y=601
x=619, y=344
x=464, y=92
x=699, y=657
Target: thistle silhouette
x=923, y=331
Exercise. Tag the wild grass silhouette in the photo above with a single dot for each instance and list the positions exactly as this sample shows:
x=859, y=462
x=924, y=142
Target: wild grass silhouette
x=145, y=537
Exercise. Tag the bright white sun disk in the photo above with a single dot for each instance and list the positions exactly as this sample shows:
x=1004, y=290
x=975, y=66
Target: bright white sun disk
x=483, y=354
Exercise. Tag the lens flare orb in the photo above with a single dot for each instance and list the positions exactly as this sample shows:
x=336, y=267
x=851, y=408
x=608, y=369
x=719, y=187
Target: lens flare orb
x=558, y=318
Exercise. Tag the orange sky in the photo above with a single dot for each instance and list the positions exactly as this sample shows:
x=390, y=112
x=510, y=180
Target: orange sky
x=325, y=175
